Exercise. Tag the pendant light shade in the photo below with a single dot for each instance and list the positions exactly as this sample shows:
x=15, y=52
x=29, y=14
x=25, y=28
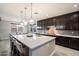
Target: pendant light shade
x=31, y=21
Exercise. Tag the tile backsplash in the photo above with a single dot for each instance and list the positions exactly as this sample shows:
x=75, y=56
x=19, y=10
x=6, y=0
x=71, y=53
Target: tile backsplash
x=68, y=32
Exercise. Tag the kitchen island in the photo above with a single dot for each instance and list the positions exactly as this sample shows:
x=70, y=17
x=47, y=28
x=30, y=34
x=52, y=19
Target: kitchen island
x=36, y=45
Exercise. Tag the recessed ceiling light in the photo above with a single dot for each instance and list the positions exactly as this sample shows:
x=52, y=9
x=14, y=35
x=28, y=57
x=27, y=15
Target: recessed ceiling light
x=75, y=5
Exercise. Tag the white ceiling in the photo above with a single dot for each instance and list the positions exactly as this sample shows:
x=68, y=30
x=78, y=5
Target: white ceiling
x=11, y=11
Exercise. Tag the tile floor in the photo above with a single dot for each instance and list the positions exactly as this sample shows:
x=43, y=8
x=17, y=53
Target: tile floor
x=5, y=47
x=60, y=51
x=64, y=51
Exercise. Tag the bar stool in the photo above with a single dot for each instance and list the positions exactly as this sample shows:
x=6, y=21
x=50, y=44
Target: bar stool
x=20, y=48
x=12, y=47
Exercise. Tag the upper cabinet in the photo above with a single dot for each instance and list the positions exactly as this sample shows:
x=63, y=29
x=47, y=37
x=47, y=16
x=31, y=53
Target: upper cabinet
x=72, y=22
x=60, y=22
x=68, y=21
x=75, y=21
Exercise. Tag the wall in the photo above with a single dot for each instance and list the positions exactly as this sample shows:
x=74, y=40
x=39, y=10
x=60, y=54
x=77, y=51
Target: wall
x=4, y=29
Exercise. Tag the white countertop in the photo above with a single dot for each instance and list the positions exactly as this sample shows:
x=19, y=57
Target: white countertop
x=64, y=35
x=67, y=35
x=33, y=42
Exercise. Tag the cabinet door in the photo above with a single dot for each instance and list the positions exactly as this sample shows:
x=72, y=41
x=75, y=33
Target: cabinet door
x=62, y=41
x=74, y=21
x=60, y=22
x=74, y=43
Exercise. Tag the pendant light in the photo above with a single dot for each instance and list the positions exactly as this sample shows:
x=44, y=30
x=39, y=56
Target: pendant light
x=21, y=22
x=31, y=20
x=24, y=21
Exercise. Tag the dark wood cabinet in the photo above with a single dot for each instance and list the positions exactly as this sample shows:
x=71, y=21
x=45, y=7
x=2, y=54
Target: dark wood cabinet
x=72, y=22
x=68, y=21
x=60, y=22
x=68, y=42
x=74, y=43
x=63, y=41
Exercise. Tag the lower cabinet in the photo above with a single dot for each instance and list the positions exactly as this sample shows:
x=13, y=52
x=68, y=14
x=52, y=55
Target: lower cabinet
x=68, y=42
x=74, y=43
x=62, y=41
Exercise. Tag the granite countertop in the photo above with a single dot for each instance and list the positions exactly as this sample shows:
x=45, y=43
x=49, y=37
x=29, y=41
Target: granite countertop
x=33, y=42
